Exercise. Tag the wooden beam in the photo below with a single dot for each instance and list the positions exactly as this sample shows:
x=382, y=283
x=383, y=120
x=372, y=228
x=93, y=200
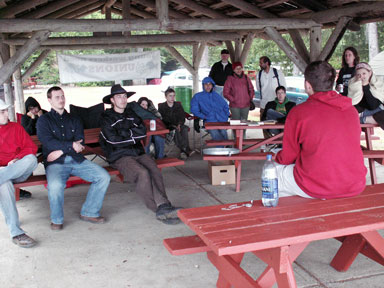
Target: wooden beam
x=114, y=46
x=246, y=48
x=181, y=59
x=97, y=25
x=205, y=10
x=299, y=44
x=108, y=5
x=237, y=49
x=162, y=11
x=334, y=39
x=271, y=3
x=172, y=13
x=199, y=55
x=35, y=64
x=17, y=7
x=22, y=54
x=85, y=13
x=231, y=50
x=161, y=38
x=69, y=9
x=18, y=86
x=315, y=43
x=8, y=93
x=289, y=51
x=249, y=8
x=49, y=8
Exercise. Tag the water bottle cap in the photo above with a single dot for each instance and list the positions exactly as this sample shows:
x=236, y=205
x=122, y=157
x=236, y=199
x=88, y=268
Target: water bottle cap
x=269, y=157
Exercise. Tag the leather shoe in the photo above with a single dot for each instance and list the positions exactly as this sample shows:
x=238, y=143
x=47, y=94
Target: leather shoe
x=56, y=227
x=96, y=220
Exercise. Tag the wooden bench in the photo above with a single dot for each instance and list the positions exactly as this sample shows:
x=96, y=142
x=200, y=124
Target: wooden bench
x=273, y=236
x=212, y=143
x=35, y=180
x=241, y=156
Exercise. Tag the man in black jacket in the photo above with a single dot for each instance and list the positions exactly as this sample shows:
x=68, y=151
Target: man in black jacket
x=120, y=138
x=220, y=71
x=173, y=116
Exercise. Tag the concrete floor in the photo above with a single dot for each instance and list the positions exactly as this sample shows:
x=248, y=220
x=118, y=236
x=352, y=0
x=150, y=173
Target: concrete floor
x=127, y=251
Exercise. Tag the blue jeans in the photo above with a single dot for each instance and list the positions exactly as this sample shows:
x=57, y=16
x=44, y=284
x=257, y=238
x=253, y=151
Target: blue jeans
x=218, y=134
x=17, y=172
x=57, y=176
x=363, y=115
x=274, y=115
x=159, y=146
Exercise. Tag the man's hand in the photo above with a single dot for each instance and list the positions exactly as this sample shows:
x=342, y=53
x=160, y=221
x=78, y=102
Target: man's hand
x=31, y=115
x=54, y=155
x=12, y=161
x=77, y=146
x=40, y=113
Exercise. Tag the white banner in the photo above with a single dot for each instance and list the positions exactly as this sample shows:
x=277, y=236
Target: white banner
x=109, y=67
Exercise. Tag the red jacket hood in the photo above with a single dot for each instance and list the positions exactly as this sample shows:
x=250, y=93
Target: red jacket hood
x=333, y=99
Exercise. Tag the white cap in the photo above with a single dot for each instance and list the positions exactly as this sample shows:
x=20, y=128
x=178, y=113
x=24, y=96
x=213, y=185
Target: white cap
x=3, y=106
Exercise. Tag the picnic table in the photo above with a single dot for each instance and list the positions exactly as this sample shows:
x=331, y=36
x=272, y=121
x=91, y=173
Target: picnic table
x=247, y=145
x=279, y=235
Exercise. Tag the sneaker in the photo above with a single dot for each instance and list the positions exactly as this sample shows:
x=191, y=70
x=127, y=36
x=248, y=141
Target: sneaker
x=25, y=194
x=167, y=211
x=183, y=156
x=24, y=241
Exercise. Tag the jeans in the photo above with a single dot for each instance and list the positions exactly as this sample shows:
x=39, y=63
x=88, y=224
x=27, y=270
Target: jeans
x=17, y=172
x=274, y=115
x=181, y=139
x=57, y=176
x=363, y=115
x=218, y=134
x=159, y=146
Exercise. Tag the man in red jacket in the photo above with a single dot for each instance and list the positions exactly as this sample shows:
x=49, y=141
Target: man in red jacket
x=321, y=156
x=17, y=162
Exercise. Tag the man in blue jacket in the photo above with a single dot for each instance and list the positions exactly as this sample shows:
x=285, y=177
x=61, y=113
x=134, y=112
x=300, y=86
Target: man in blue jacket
x=61, y=136
x=211, y=107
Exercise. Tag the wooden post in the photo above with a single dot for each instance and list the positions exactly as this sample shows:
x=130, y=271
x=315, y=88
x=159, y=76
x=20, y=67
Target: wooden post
x=22, y=54
x=8, y=94
x=237, y=49
x=315, y=43
x=35, y=64
x=289, y=51
x=181, y=59
x=162, y=12
x=299, y=44
x=126, y=8
x=335, y=38
x=246, y=48
x=231, y=50
x=19, y=93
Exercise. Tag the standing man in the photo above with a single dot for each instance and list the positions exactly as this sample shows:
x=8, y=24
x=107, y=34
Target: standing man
x=220, y=71
x=17, y=162
x=267, y=80
x=62, y=136
x=321, y=156
x=120, y=138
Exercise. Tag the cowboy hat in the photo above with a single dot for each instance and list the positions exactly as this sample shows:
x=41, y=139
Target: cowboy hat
x=116, y=89
x=4, y=106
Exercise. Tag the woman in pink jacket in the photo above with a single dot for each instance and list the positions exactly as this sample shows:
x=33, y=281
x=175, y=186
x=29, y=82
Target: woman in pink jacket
x=238, y=90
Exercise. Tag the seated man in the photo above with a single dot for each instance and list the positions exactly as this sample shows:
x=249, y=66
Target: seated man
x=321, y=156
x=278, y=109
x=120, y=138
x=173, y=116
x=17, y=162
x=211, y=107
x=61, y=136
x=28, y=121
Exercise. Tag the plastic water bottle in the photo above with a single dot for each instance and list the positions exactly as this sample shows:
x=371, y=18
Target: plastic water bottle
x=270, y=193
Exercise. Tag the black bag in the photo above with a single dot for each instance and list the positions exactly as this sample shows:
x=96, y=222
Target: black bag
x=251, y=106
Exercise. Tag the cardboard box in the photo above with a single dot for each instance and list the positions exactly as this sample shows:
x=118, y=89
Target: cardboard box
x=222, y=172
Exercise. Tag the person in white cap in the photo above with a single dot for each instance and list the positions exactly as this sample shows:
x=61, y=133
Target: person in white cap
x=17, y=162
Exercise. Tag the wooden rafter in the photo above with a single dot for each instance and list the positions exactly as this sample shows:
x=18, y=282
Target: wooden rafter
x=49, y=8
x=200, y=8
x=17, y=7
x=72, y=8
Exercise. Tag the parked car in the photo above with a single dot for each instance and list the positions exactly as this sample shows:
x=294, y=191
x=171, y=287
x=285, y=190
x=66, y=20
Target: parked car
x=182, y=77
x=295, y=91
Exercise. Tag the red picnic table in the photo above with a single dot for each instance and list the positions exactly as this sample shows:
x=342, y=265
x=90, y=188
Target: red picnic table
x=279, y=235
x=247, y=145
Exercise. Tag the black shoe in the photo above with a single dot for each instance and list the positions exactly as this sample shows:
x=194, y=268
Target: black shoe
x=167, y=211
x=25, y=194
x=170, y=221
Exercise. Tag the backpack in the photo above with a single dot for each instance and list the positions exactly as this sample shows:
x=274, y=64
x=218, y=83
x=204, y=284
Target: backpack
x=276, y=75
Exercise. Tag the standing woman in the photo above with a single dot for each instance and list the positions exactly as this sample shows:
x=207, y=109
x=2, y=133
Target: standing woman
x=239, y=91
x=349, y=62
x=367, y=94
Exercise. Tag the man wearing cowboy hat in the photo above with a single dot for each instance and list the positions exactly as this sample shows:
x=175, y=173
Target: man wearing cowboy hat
x=62, y=135
x=120, y=138
x=17, y=162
